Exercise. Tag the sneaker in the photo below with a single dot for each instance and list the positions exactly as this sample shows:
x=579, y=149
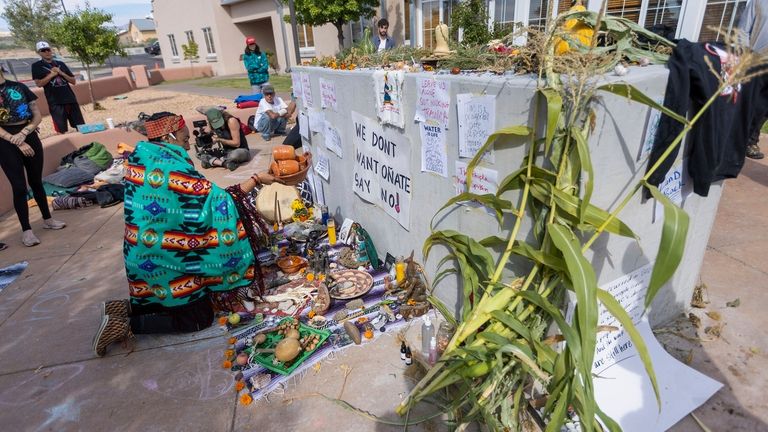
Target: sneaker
x=205, y=161
x=53, y=224
x=231, y=165
x=29, y=238
x=266, y=137
x=116, y=308
x=753, y=152
x=112, y=329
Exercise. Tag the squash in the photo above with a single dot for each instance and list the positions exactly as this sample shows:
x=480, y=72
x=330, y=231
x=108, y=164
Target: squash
x=578, y=31
x=287, y=349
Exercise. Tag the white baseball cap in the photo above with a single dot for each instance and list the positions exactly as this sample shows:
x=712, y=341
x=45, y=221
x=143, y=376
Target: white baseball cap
x=42, y=45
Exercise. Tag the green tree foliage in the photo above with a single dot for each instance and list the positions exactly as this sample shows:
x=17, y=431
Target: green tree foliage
x=31, y=21
x=190, y=51
x=86, y=36
x=472, y=16
x=336, y=12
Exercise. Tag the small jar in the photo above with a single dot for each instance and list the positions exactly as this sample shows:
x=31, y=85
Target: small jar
x=444, y=334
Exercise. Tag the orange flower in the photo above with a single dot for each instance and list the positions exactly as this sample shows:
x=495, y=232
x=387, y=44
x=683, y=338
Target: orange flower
x=321, y=277
x=229, y=353
x=232, y=340
x=239, y=385
x=352, y=66
x=246, y=399
x=222, y=321
x=227, y=364
x=310, y=277
x=311, y=314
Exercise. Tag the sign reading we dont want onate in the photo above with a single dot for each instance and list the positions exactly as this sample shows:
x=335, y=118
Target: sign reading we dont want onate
x=382, y=173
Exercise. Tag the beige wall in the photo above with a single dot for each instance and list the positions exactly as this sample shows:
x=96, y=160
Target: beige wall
x=102, y=88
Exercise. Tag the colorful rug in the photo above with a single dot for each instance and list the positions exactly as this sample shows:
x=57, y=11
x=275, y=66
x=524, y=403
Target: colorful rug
x=10, y=273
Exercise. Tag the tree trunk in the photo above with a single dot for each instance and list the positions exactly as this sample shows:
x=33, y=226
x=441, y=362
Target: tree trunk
x=340, y=34
x=96, y=105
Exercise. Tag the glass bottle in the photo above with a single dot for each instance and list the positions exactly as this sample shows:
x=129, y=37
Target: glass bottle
x=444, y=335
x=331, y=232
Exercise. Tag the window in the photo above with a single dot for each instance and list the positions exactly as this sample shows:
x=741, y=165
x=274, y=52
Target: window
x=720, y=15
x=663, y=17
x=190, y=36
x=306, y=37
x=407, y=4
x=504, y=14
x=537, y=15
x=208, y=36
x=174, y=49
x=629, y=9
x=357, y=29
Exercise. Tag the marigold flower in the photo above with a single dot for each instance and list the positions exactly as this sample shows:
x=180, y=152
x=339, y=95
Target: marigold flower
x=246, y=399
x=239, y=385
x=229, y=353
x=227, y=364
x=222, y=321
x=232, y=340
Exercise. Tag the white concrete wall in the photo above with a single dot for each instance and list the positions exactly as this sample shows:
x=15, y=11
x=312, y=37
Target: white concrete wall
x=615, y=149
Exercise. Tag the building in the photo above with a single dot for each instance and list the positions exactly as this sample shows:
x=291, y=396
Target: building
x=140, y=31
x=220, y=26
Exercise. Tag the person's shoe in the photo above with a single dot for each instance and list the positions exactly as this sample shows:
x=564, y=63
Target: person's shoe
x=231, y=165
x=29, y=238
x=753, y=152
x=205, y=161
x=116, y=308
x=266, y=137
x=53, y=224
x=112, y=329
x=3, y=246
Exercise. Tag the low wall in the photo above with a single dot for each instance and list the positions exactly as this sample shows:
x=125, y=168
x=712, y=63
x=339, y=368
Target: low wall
x=102, y=88
x=183, y=73
x=58, y=146
x=615, y=146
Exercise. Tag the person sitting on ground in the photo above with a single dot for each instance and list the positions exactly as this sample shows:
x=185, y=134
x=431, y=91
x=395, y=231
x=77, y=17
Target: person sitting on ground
x=230, y=135
x=754, y=31
x=21, y=154
x=273, y=114
x=189, y=245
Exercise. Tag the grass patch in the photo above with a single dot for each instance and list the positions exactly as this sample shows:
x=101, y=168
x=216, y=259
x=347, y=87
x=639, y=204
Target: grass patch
x=765, y=128
x=282, y=83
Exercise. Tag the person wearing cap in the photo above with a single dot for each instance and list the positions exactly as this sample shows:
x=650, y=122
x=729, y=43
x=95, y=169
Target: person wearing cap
x=21, y=155
x=256, y=64
x=189, y=246
x=54, y=77
x=229, y=134
x=273, y=114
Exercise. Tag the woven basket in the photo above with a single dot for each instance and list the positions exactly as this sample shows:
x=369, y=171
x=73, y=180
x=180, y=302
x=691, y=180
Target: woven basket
x=294, y=179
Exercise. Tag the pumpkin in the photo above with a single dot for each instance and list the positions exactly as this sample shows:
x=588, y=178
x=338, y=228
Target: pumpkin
x=578, y=31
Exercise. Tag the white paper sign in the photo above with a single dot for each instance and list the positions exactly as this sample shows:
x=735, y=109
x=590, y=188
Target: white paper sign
x=654, y=117
x=672, y=188
x=317, y=187
x=382, y=170
x=296, y=84
x=306, y=87
x=484, y=180
x=332, y=139
x=433, y=101
x=388, y=86
x=434, y=156
x=477, y=121
x=316, y=121
x=303, y=125
x=322, y=164
x=328, y=94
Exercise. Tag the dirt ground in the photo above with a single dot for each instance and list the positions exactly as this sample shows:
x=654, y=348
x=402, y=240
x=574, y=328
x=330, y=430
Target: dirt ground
x=148, y=100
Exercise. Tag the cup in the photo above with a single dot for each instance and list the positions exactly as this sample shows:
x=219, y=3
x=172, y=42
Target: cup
x=110, y=123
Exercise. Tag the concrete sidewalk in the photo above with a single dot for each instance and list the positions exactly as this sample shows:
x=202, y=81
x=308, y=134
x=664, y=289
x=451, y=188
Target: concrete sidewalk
x=51, y=381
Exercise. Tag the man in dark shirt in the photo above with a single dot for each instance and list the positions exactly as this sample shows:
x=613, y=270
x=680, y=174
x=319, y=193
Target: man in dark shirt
x=55, y=77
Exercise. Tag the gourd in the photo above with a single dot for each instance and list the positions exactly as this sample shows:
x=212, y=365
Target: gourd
x=287, y=349
x=578, y=31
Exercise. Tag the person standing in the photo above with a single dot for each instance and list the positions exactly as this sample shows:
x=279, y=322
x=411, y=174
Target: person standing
x=383, y=41
x=754, y=29
x=256, y=64
x=21, y=154
x=55, y=77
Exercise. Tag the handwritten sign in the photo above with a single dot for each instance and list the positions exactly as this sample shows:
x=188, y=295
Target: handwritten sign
x=332, y=139
x=629, y=291
x=316, y=121
x=382, y=174
x=433, y=101
x=296, y=85
x=672, y=188
x=484, y=180
x=477, y=121
x=388, y=86
x=654, y=117
x=306, y=87
x=303, y=125
x=328, y=94
x=322, y=165
x=434, y=157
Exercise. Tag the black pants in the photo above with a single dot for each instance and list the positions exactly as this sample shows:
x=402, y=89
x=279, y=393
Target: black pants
x=294, y=137
x=61, y=114
x=755, y=136
x=154, y=318
x=14, y=163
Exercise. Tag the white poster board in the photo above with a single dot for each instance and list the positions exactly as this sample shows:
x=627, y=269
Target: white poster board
x=388, y=86
x=382, y=171
x=332, y=139
x=296, y=85
x=484, y=180
x=328, y=94
x=306, y=88
x=477, y=121
x=433, y=101
x=434, y=155
x=303, y=125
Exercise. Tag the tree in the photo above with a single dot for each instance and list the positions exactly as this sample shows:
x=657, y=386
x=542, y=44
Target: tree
x=88, y=39
x=472, y=16
x=190, y=51
x=336, y=12
x=31, y=21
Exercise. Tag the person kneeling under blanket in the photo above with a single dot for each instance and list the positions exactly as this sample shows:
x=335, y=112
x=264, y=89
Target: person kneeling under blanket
x=273, y=114
x=228, y=133
x=189, y=245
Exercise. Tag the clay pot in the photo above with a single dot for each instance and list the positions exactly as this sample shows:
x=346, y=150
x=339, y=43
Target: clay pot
x=287, y=167
x=283, y=152
x=291, y=264
x=273, y=168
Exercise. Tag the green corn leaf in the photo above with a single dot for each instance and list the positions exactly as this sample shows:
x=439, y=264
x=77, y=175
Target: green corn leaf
x=525, y=355
x=631, y=92
x=557, y=418
x=672, y=245
x=568, y=332
x=554, y=108
x=513, y=323
x=548, y=260
x=608, y=421
x=488, y=200
x=493, y=242
x=585, y=406
x=582, y=277
x=582, y=149
x=443, y=309
x=515, y=180
x=507, y=131
x=615, y=308
x=442, y=275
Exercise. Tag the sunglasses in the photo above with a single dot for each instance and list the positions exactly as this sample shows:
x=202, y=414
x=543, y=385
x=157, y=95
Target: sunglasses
x=45, y=50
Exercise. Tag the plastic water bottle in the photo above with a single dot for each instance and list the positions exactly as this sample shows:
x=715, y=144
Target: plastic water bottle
x=427, y=333
x=433, y=351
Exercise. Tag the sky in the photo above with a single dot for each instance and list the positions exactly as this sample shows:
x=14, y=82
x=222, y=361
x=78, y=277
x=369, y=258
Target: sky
x=121, y=10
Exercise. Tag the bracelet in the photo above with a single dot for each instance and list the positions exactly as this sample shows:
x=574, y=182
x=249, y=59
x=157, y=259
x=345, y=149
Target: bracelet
x=256, y=179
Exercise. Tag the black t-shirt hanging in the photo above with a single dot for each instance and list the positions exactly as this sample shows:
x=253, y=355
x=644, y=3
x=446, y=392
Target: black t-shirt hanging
x=15, y=98
x=57, y=91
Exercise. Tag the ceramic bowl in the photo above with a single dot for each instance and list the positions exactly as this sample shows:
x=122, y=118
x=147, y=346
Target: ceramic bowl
x=291, y=264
